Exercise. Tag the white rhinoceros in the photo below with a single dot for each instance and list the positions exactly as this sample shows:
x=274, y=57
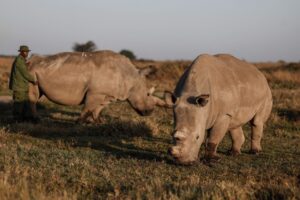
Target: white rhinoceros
x=217, y=94
x=94, y=79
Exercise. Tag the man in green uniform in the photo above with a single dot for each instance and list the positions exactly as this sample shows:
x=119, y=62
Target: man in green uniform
x=19, y=83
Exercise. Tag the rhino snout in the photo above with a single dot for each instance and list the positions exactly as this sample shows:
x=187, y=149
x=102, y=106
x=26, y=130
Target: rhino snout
x=175, y=152
x=183, y=150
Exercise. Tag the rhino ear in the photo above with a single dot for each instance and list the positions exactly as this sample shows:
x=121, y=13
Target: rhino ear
x=202, y=99
x=170, y=98
x=147, y=71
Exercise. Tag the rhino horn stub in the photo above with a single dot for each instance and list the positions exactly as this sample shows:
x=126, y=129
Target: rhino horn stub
x=151, y=91
x=159, y=102
x=179, y=134
x=162, y=99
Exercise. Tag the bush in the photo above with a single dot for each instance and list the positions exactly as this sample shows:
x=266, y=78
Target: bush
x=85, y=47
x=129, y=54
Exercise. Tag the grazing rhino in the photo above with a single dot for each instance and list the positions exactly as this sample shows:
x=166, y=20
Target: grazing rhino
x=94, y=79
x=216, y=94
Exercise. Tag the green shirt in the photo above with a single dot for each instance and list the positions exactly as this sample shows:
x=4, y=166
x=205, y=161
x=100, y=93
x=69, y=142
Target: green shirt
x=20, y=76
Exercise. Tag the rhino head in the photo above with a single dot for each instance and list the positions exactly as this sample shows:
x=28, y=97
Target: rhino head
x=141, y=100
x=190, y=115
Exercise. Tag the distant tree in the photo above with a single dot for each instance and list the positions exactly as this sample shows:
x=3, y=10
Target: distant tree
x=129, y=54
x=281, y=62
x=85, y=47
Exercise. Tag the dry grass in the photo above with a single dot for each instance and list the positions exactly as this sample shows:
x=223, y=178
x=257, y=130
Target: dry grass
x=285, y=76
x=165, y=74
x=6, y=62
x=126, y=157
x=5, y=66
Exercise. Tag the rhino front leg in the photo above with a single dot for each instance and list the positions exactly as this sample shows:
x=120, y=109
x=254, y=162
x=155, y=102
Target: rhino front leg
x=216, y=135
x=238, y=139
x=91, y=115
x=33, y=110
x=83, y=116
x=93, y=106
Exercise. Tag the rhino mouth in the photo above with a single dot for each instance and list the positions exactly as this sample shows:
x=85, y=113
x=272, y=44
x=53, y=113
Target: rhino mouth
x=144, y=112
x=186, y=163
x=180, y=159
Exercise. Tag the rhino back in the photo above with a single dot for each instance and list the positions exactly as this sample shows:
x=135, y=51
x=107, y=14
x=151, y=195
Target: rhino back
x=66, y=77
x=251, y=87
x=233, y=85
x=114, y=75
x=244, y=79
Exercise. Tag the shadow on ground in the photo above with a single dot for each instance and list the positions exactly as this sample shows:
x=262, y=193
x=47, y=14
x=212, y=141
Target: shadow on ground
x=289, y=114
x=114, y=137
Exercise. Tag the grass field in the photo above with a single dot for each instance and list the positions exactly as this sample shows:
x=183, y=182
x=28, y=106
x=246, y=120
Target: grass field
x=126, y=157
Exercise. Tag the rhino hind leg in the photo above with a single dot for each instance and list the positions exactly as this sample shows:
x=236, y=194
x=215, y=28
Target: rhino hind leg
x=34, y=94
x=257, y=126
x=238, y=139
x=216, y=135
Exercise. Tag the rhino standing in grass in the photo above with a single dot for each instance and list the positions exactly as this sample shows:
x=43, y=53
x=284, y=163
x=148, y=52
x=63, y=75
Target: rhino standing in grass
x=94, y=79
x=217, y=94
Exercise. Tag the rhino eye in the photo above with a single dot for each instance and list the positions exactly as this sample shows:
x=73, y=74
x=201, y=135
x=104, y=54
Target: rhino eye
x=198, y=100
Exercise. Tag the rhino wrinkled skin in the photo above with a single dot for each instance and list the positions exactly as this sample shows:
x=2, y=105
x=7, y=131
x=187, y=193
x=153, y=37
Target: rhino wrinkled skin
x=94, y=79
x=217, y=94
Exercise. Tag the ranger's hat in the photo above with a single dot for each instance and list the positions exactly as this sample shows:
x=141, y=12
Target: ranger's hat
x=24, y=48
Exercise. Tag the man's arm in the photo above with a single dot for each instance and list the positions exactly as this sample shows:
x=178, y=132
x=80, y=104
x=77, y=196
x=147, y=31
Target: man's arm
x=21, y=66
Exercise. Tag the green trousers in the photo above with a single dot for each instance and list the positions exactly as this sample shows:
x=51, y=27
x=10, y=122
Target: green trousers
x=21, y=106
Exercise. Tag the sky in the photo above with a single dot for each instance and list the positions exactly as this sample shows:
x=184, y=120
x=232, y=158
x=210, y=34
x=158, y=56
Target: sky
x=254, y=30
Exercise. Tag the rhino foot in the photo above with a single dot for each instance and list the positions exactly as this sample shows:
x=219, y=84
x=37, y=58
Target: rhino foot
x=211, y=154
x=254, y=151
x=100, y=120
x=233, y=152
x=191, y=163
x=90, y=120
x=213, y=158
x=83, y=121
